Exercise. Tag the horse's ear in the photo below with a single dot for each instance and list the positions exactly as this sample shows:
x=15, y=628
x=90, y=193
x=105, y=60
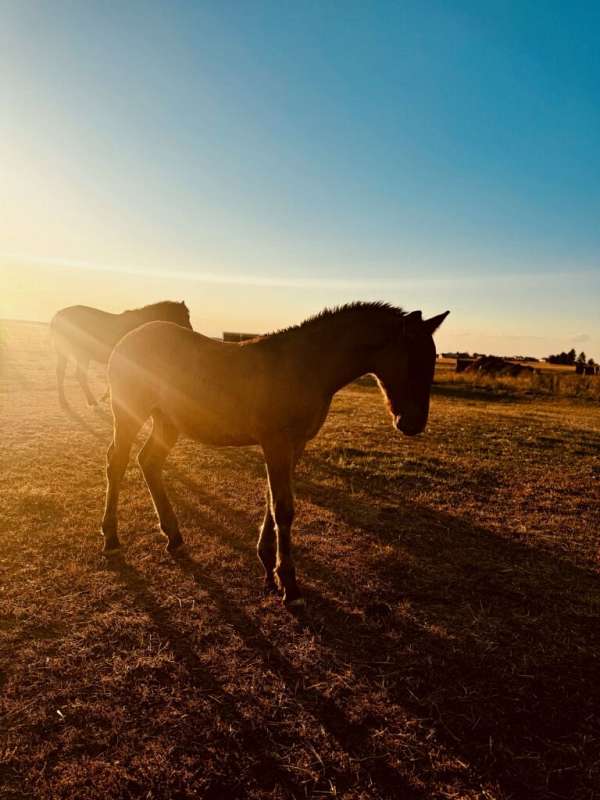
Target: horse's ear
x=434, y=323
x=411, y=324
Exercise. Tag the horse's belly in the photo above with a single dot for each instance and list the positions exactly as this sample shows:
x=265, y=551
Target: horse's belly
x=220, y=438
x=212, y=431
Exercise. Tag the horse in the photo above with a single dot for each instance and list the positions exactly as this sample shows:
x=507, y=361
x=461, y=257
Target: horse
x=273, y=391
x=89, y=334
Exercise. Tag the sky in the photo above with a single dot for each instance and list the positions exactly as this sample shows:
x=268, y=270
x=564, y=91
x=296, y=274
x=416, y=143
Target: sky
x=262, y=160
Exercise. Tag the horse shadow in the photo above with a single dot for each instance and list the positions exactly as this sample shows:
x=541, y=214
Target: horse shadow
x=269, y=773
x=489, y=641
x=83, y=423
x=206, y=681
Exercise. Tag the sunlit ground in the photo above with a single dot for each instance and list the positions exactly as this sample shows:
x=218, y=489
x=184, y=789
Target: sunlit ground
x=451, y=643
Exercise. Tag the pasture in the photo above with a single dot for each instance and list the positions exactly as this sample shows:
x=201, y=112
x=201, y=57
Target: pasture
x=451, y=647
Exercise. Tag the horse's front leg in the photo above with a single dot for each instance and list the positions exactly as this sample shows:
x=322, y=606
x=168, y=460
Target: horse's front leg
x=279, y=456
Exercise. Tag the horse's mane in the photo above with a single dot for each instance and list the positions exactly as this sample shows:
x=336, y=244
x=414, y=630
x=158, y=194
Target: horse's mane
x=162, y=304
x=337, y=312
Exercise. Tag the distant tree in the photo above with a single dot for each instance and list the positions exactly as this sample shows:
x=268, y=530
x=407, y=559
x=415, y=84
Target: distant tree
x=581, y=357
x=563, y=358
x=591, y=362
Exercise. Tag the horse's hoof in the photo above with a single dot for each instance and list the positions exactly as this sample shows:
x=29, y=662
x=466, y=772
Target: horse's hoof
x=111, y=549
x=176, y=548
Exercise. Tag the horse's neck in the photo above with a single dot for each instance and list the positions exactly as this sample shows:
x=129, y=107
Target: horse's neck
x=343, y=351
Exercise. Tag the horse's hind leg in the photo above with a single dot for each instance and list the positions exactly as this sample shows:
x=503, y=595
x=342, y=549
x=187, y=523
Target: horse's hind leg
x=61, y=367
x=116, y=464
x=267, y=547
x=151, y=459
x=82, y=367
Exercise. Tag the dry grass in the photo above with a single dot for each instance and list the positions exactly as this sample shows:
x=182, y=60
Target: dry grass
x=549, y=380
x=451, y=645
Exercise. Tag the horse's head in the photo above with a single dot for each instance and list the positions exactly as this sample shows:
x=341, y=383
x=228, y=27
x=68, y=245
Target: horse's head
x=182, y=315
x=165, y=311
x=404, y=367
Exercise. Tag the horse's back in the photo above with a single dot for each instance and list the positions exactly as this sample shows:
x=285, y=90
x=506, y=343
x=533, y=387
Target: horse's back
x=84, y=331
x=202, y=386
x=81, y=314
x=215, y=392
x=144, y=339
x=162, y=352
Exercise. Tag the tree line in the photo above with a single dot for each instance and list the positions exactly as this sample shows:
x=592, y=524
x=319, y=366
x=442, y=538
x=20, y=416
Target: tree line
x=570, y=358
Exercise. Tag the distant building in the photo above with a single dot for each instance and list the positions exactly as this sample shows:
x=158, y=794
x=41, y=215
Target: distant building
x=233, y=336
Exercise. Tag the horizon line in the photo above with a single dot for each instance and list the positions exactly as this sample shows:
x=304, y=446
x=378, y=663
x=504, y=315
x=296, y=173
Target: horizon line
x=284, y=282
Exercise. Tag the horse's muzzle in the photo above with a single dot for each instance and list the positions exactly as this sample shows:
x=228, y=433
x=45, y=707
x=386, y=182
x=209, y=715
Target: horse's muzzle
x=409, y=427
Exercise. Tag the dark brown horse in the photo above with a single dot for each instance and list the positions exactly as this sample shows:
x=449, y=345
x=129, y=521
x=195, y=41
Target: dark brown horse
x=89, y=334
x=273, y=391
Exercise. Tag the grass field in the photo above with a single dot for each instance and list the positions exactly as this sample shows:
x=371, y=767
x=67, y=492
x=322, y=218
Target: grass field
x=554, y=380
x=451, y=647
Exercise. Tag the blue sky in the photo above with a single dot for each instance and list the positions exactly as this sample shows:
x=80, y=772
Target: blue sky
x=263, y=159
